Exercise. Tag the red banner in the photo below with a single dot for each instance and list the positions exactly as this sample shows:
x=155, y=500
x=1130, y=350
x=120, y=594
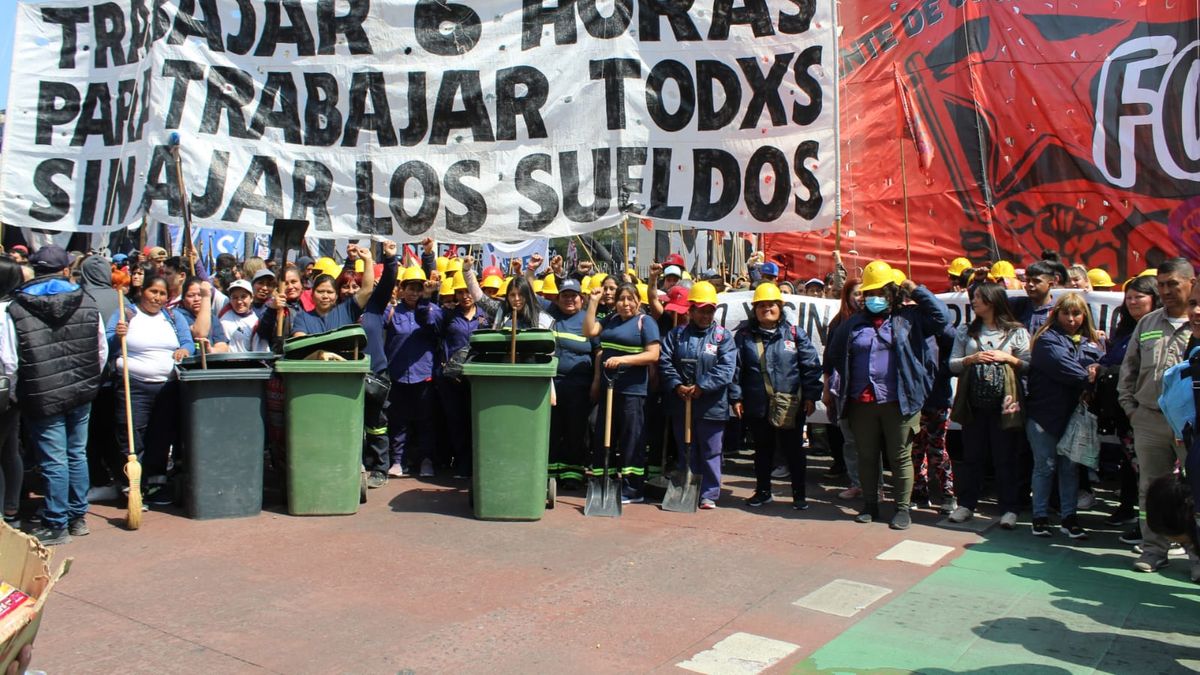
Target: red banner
x=1068, y=126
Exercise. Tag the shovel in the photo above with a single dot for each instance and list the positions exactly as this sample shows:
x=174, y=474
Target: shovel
x=683, y=492
x=604, y=492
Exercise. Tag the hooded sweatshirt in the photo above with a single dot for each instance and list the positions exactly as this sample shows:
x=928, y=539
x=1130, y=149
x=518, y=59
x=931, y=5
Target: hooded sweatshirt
x=95, y=278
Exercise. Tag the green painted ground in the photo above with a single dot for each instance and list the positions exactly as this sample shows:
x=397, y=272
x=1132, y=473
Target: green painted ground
x=1017, y=604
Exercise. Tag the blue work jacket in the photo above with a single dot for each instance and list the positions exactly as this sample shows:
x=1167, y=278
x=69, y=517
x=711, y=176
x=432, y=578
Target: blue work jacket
x=704, y=357
x=792, y=361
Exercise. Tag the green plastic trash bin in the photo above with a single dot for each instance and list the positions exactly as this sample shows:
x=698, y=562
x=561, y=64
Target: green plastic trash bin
x=323, y=411
x=224, y=435
x=510, y=414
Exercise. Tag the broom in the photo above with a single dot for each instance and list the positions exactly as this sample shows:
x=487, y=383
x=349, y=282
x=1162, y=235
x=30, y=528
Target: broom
x=133, y=470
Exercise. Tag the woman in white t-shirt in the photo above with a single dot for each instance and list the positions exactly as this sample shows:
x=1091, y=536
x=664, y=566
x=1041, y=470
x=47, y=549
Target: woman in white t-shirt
x=155, y=339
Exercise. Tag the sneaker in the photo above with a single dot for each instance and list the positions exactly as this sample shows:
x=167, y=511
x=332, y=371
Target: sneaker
x=1176, y=550
x=396, y=471
x=50, y=537
x=799, y=502
x=869, y=514
x=638, y=499
x=902, y=520
x=1085, y=501
x=13, y=521
x=1008, y=521
x=961, y=515
x=427, y=468
x=78, y=527
x=835, y=471
x=1132, y=537
x=1070, y=527
x=708, y=504
x=158, y=494
x=949, y=504
x=1149, y=563
x=920, y=503
x=781, y=472
x=1123, y=516
x=376, y=479
x=760, y=498
x=1041, y=527
x=104, y=493
x=850, y=493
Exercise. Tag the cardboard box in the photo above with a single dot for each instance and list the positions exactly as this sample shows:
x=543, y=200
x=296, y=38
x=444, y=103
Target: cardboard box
x=25, y=564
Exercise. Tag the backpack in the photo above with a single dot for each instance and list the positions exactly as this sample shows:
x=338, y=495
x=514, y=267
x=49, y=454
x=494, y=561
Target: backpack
x=987, y=382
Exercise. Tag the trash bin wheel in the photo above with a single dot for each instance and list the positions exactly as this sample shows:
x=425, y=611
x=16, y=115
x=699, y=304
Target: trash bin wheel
x=362, y=488
x=551, y=492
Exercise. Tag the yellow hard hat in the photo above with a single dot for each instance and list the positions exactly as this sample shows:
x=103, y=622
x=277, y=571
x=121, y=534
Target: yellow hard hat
x=537, y=286
x=454, y=266
x=460, y=283
x=413, y=273
x=1099, y=278
x=327, y=266
x=686, y=275
x=447, y=287
x=958, y=266
x=766, y=292
x=703, y=293
x=585, y=285
x=598, y=279
x=549, y=285
x=494, y=282
x=643, y=293
x=442, y=261
x=898, y=276
x=1002, y=269
x=358, y=266
x=876, y=275
x=1152, y=272
x=503, y=290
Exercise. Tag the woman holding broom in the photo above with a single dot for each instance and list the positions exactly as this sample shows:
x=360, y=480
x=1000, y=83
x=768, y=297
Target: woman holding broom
x=156, y=339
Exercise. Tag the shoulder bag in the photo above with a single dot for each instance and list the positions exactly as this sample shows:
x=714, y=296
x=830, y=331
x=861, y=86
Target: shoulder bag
x=782, y=408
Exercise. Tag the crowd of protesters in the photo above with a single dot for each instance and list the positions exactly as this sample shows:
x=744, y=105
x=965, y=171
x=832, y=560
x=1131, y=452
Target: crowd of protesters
x=1024, y=364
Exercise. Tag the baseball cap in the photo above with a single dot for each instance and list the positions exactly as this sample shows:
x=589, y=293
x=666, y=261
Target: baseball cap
x=769, y=268
x=263, y=274
x=20, y=247
x=814, y=282
x=119, y=258
x=710, y=273
x=304, y=261
x=242, y=284
x=673, y=259
x=50, y=258
x=672, y=271
x=570, y=286
x=677, y=300
x=157, y=253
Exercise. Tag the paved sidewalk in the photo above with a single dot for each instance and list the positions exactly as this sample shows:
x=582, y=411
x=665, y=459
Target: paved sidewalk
x=1015, y=603
x=413, y=583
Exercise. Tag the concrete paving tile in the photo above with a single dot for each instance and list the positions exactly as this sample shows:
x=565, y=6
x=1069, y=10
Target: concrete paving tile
x=843, y=597
x=916, y=552
x=739, y=653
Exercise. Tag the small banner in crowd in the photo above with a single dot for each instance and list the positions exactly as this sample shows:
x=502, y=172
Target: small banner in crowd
x=490, y=121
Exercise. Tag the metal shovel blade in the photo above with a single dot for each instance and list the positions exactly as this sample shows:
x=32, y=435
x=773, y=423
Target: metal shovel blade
x=603, y=497
x=683, y=493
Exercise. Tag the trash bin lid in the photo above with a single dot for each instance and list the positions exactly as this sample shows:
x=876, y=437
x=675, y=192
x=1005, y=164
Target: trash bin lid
x=229, y=360
x=342, y=341
x=529, y=341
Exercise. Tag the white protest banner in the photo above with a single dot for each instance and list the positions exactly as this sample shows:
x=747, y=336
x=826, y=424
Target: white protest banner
x=500, y=255
x=496, y=120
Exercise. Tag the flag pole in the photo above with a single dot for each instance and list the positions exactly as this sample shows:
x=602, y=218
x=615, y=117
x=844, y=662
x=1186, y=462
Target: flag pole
x=625, y=243
x=904, y=188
